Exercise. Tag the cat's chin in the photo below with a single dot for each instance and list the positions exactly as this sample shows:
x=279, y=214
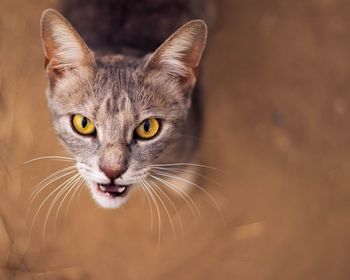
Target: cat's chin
x=106, y=199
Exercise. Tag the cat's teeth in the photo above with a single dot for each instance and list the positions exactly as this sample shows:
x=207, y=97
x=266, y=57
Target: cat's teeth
x=102, y=188
x=121, y=189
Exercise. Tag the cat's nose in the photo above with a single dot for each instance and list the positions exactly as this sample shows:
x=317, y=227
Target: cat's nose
x=112, y=173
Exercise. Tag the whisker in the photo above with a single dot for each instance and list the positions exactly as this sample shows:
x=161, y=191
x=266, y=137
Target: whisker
x=45, y=183
x=80, y=189
x=171, y=203
x=149, y=203
x=43, y=203
x=76, y=181
x=141, y=197
x=189, y=201
x=71, y=199
x=187, y=164
x=157, y=210
x=51, y=176
x=164, y=206
x=60, y=158
x=65, y=187
x=187, y=170
x=165, y=195
x=197, y=186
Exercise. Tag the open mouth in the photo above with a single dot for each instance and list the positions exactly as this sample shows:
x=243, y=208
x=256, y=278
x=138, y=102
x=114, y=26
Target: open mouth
x=112, y=190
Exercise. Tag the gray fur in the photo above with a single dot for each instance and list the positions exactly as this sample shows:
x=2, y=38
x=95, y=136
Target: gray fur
x=118, y=93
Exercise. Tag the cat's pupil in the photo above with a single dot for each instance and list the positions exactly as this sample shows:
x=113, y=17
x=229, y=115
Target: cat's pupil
x=84, y=122
x=146, y=125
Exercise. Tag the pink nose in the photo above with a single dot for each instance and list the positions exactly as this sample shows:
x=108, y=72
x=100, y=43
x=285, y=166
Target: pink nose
x=112, y=173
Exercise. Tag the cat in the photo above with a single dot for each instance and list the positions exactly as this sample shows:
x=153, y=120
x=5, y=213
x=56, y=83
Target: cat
x=130, y=105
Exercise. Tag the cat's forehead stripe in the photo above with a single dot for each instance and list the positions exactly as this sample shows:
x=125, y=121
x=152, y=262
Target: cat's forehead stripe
x=114, y=102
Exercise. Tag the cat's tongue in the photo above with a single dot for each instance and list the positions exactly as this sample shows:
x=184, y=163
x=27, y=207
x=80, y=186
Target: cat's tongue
x=112, y=189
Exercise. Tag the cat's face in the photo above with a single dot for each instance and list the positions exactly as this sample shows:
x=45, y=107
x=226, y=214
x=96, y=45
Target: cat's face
x=118, y=115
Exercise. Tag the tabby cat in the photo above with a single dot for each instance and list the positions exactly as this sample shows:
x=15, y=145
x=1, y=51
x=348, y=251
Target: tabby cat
x=129, y=106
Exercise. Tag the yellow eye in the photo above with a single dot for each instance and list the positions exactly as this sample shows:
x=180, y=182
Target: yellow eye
x=147, y=129
x=83, y=125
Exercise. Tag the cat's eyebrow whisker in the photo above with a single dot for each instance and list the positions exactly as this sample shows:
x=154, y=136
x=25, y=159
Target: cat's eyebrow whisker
x=195, y=185
x=187, y=164
x=189, y=201
x=157, y=209
x=65, y=187
x=59, y=158
x=187, y=170
x=164, y=206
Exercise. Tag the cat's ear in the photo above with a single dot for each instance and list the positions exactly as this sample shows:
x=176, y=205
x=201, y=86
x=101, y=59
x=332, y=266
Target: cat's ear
x=64, y=49
x=180, y=54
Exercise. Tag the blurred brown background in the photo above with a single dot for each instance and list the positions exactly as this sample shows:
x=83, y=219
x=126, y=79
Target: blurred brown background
x=277, y=108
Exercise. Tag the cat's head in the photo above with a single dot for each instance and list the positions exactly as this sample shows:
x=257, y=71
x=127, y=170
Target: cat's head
x=118, y=115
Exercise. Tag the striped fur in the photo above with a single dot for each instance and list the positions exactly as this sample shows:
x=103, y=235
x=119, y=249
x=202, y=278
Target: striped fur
x=118, y=92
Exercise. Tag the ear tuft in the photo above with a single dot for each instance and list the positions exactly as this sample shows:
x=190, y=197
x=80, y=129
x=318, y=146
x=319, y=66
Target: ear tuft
x=64, y=49
x=181, y=53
